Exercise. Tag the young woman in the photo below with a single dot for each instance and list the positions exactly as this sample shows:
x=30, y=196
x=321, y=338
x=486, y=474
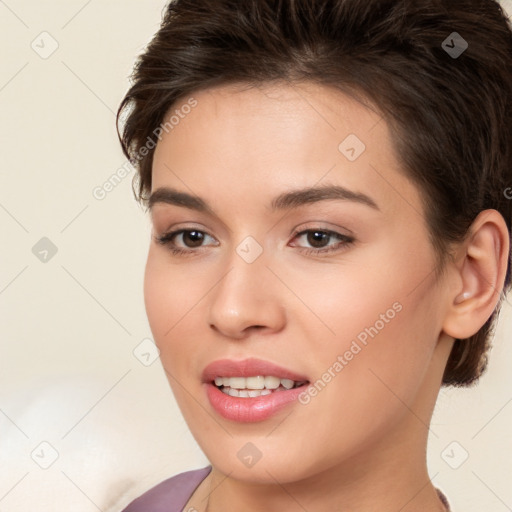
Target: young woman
x=327, y=183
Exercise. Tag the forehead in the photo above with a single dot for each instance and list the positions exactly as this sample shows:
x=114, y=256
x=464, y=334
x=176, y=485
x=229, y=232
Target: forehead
x=284, y=103
x=248, y=140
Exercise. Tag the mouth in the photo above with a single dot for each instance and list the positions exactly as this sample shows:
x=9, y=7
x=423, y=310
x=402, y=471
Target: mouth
x=255, y=386
x=251, y=390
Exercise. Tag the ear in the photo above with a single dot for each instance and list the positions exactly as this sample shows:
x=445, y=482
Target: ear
x=480, y=267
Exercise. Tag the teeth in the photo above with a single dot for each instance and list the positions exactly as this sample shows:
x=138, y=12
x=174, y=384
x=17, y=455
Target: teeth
x=236, y=382
x=254, y=386
x=272, y=382
x=246, y=393
x=287, y=383
x=255, y=382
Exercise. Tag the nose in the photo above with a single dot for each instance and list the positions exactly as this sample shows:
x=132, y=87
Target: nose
x=247, y=299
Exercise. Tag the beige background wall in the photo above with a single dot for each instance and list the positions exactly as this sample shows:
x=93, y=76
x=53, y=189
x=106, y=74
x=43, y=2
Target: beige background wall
x=74, y=398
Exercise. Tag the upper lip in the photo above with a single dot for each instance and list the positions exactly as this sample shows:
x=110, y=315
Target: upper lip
x=248, y=368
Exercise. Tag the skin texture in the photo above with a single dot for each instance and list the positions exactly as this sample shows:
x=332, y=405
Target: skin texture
x=360, y=444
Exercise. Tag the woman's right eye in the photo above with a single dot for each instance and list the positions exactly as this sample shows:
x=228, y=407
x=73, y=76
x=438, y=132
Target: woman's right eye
x=190, y=238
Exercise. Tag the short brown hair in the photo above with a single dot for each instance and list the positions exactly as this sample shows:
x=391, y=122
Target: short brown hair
x=450, y=112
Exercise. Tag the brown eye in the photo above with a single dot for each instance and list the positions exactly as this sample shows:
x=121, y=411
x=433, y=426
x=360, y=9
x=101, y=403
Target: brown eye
x=192, y=238
x=318, y=238
x=319, y=241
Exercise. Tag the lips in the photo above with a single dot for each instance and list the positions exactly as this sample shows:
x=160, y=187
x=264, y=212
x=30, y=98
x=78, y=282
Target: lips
x=248, y=368
x=251, y=406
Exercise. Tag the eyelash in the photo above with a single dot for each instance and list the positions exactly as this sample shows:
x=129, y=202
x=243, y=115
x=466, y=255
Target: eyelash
x=345, y=241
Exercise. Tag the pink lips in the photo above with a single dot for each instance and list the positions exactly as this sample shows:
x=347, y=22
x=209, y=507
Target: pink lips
x=249, y=409
x=247, y=368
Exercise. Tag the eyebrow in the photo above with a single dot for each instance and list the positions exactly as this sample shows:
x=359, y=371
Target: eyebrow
x=286, y=200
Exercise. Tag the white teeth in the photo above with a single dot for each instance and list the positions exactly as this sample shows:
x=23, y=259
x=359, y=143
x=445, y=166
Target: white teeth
x=287, y=383
x=237, y=382
x=246, y=393
x=255, y=382
x=272, y=382
x=253, y=386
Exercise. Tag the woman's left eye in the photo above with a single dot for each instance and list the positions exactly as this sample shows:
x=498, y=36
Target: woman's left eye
x=318, y=239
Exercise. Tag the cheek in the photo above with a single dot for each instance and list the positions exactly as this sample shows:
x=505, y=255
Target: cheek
x=364, y=390
x=170, y=295
x=385, y=355
x=381, y=321
x=158, y=297
x=361, y=292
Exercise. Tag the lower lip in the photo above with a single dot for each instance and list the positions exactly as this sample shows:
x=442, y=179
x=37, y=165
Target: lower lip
x=250, y=409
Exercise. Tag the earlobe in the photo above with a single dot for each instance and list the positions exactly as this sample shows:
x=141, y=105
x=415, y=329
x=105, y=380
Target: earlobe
x=481, y=269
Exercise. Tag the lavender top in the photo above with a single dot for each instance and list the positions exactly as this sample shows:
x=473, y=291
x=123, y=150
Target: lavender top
x=172, y=494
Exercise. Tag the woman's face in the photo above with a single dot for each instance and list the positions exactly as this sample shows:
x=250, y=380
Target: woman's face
x=336, y=288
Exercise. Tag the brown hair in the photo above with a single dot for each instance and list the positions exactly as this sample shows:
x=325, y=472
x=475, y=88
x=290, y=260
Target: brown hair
x=450, y=112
